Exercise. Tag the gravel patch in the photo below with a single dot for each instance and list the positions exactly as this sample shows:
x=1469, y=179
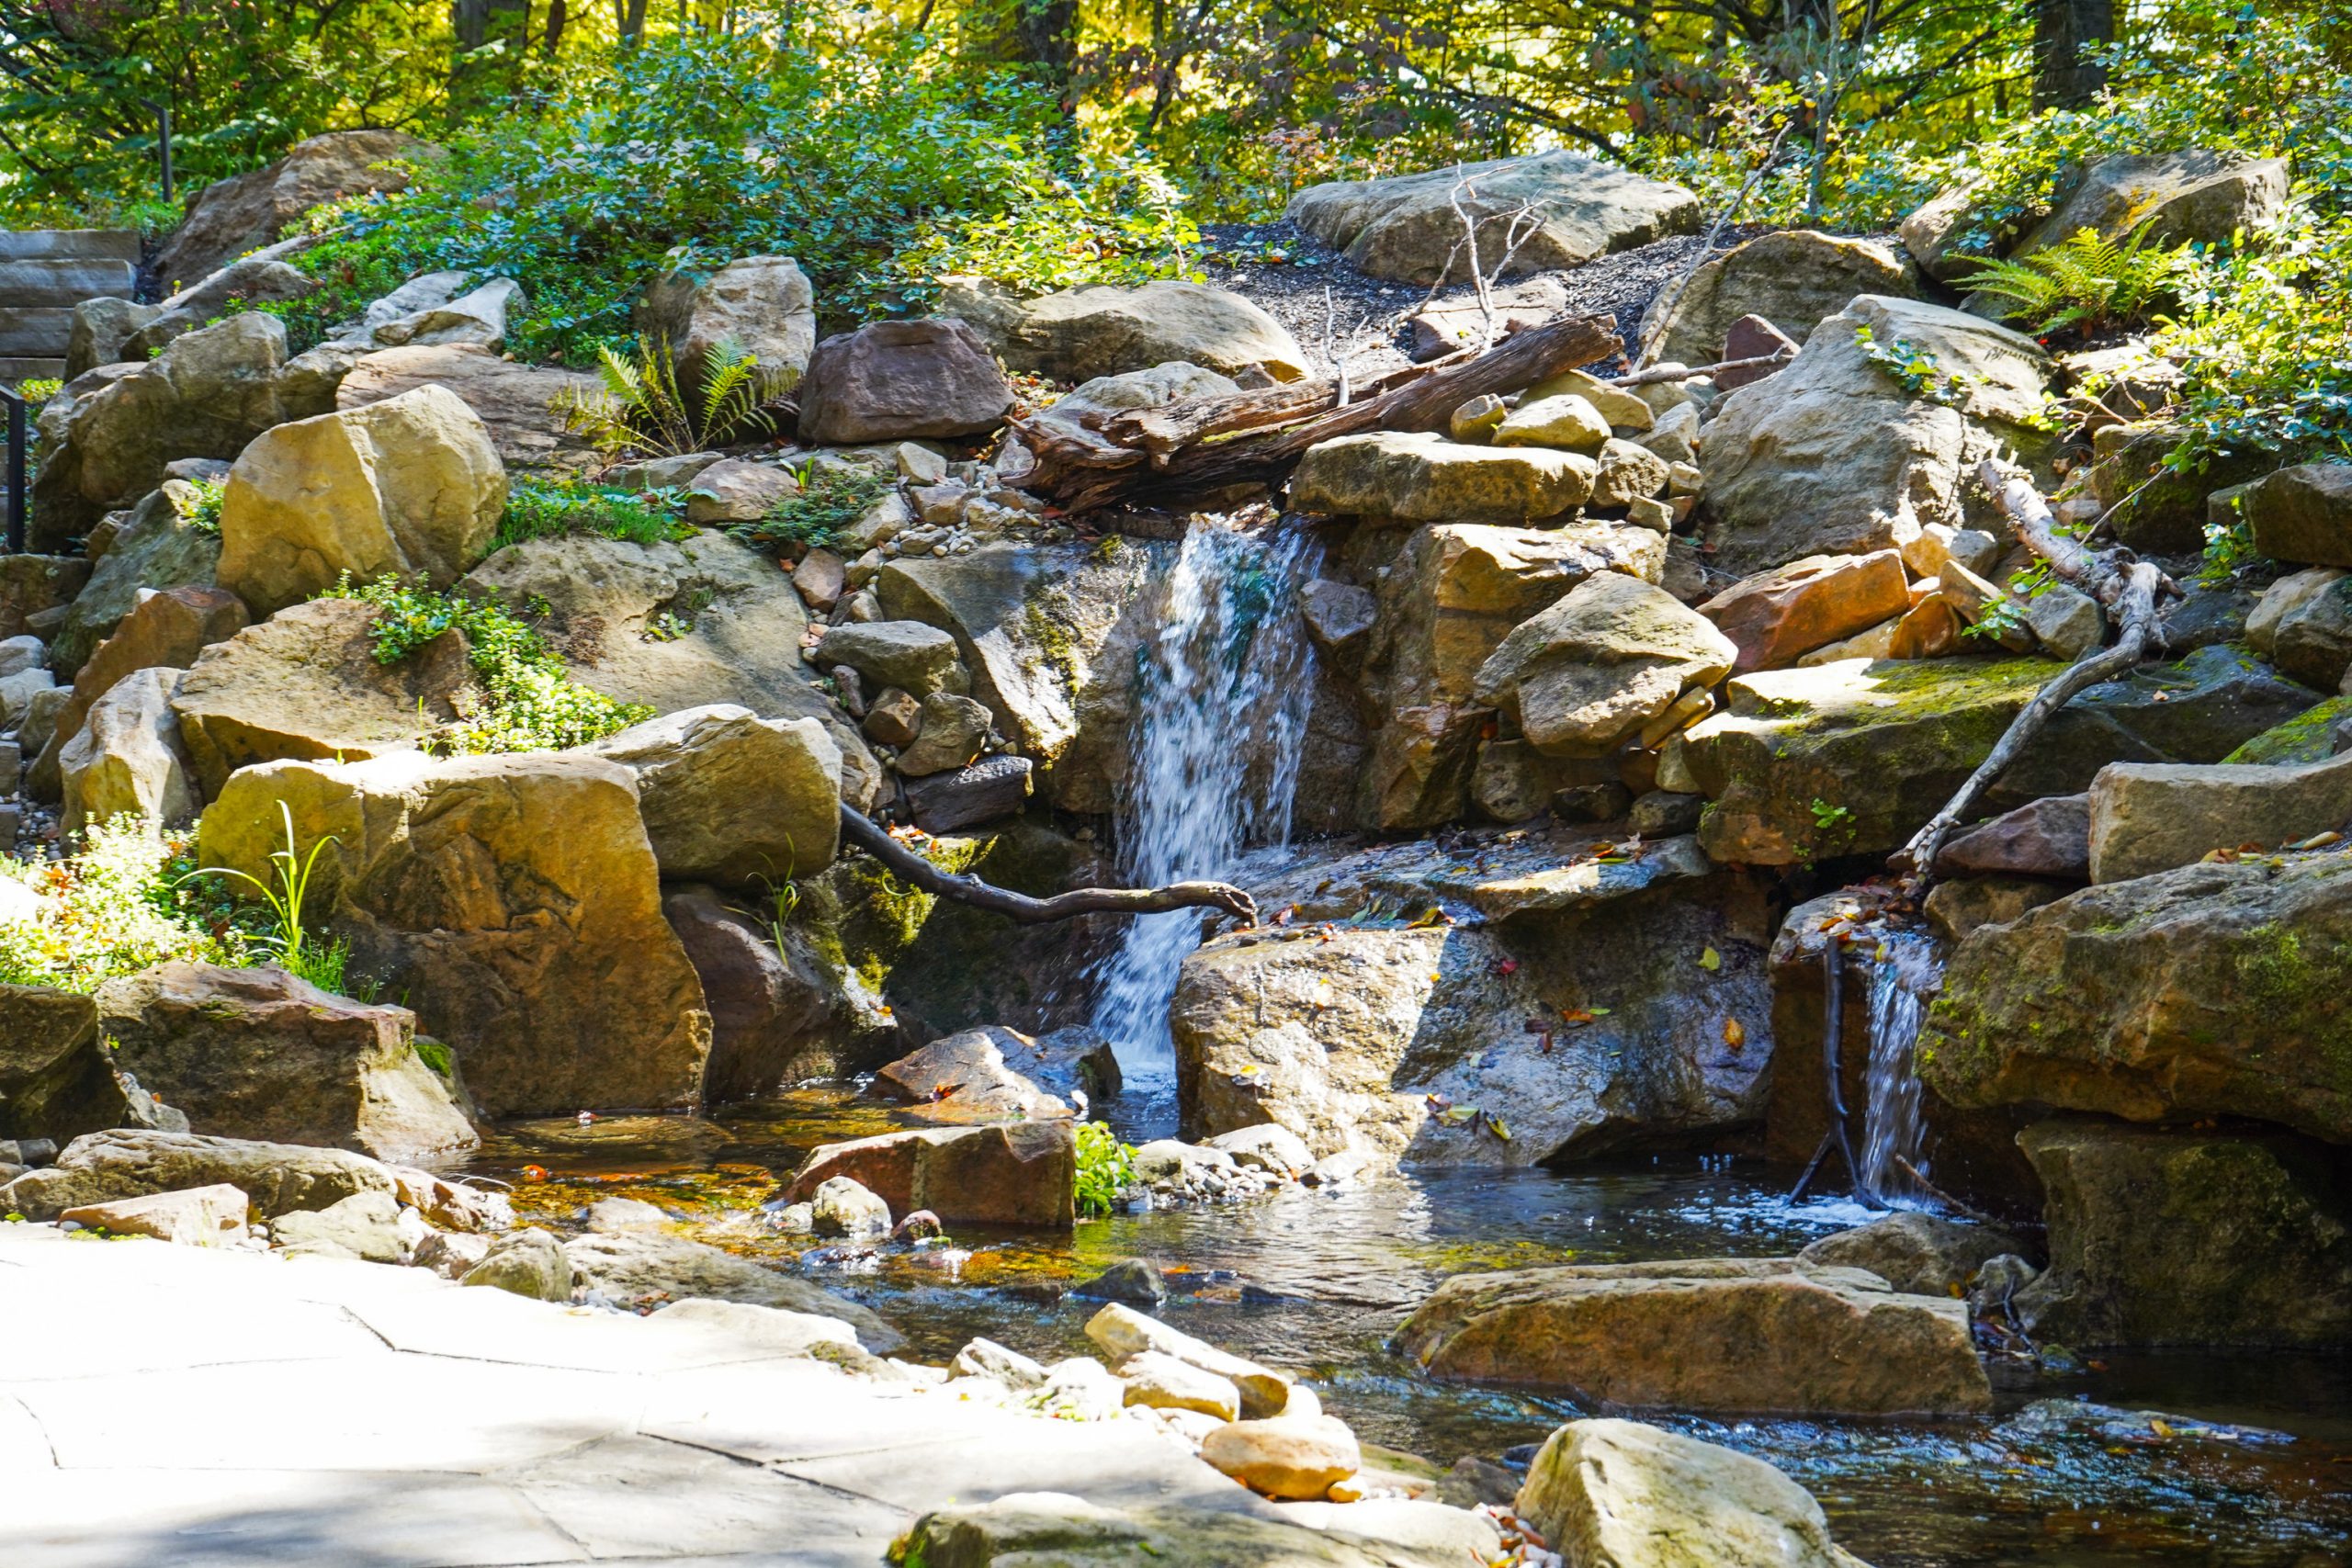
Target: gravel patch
x=1323, y=300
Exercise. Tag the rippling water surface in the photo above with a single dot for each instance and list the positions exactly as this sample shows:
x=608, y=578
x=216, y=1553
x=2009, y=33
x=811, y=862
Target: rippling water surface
x=1317, y=1281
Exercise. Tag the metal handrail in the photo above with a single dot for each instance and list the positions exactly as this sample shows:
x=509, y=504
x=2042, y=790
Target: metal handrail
x=17, y=449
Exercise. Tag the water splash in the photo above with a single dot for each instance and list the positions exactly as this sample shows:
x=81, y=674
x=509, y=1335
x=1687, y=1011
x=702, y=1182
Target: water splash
x=1221, y=705
x=1903, y=974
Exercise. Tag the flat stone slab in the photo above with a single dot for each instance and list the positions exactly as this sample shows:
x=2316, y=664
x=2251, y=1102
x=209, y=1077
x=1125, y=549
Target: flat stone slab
x=164, y=1405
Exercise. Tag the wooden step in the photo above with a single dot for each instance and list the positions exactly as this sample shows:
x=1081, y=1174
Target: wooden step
x=66, y=281
x=38, y=333
x=94, y=244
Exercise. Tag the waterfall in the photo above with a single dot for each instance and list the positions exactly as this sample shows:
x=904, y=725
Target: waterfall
x=1903, y=974
x=1221, y=702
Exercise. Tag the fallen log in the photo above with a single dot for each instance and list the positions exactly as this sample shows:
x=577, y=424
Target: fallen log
x=1255, y=438
x=909, y=866
x=2128, y=588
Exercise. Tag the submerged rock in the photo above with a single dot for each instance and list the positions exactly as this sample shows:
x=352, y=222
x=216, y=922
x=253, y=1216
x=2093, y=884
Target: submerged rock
x=1762, y=1334
x=1614, y=1494
x=2188, y=1238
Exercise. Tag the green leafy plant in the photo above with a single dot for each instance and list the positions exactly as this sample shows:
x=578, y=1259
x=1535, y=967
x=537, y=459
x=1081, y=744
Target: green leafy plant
x=527, y=701
x=2003, y=617
x=1917, y=370
x=2086, y=280
x=552, y=508
x=204, y=516
x=829, y=499
x=120, y=903
x=322, y=963
x=1828, y=818
x=39, y=389
x=1106, y=1167
x=643, y=406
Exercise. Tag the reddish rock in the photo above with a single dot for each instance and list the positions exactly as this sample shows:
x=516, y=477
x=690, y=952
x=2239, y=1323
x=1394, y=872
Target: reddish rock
x=1777, y=616
x=1929, y=629
x=1019, y=1173
x=898, y=380
x=1752, y=337
x=2051, y=837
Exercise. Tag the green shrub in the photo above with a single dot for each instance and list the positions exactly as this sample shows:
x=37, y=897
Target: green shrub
x=2086, y=280
x=205, y=516
x=879, y=167
x=119, y=904
x=830, y=500
x=551, y=508
x=527, y=701
x=1106, y=1167
x=644, y=408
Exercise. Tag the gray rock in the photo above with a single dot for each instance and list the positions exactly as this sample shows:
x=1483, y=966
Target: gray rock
x=1102, y=329
x=638, y=1269
x=844, y=1208
x=278, y=1178
x=988, y=791
x=732, y=798
x=2147, y=817
x=526, y=1261
x=1132, y=1281
x=127, y=758
x=156, y=549
x=954, y=730
x=56, y=1079
x=1916, y=1254
x=894, y=380
x=1791, y=280
x=1423, y=477
x=1603, y=662
x=364, y=1225
x=912, y=657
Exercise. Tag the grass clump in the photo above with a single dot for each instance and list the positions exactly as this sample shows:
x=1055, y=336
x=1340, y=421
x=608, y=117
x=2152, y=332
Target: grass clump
x=1106, y=1167
x=551, y=509
x=122, y=903
x=829, y=501
x=526, y=702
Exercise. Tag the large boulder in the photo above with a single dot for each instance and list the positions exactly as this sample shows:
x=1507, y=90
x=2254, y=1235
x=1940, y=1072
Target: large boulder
x=761, y=306
x=206, y=394
x=1104, y=329
x=1025, y=1529
x=731, y=797
x=1420, y=478
x=513, y=901
x=2147, y=817
x=409, y=487
x=1592, y=670
x=2304, y=514
x=2188, y=1238
x=229, y=217
x=520, y=405
x=965, y=1078
x=306, y=684
x=1407, y=228
x=2212, y=991
x=2153, y=507
x=2303, y=624
x=56, y=1081
x=1412, y=1043
x=642, y=1269
x=1025, y=1173
x=279, y=1178
x=1834, y=455
x=158, y=548
x=911, y=655
x=897, y=381
x=1049, y=637
x=260, y=1054
x=596, y=599
x=30, y=584
x=127, y=758
x=1762, y=1334
x=165, y=631
x=1791, y=280
x=1612, y=1493
x=777, y=1007
x=1878, y=746
x=1450, y=597
x=2176, y=196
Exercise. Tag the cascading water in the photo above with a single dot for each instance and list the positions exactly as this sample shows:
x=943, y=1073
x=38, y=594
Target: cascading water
x=1222, y=693
x=1902, y=975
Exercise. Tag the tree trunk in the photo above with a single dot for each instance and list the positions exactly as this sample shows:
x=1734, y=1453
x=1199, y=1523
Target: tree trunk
x=2065, y=32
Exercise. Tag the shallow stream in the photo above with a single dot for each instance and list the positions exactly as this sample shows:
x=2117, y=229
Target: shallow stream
x=1315, y=1281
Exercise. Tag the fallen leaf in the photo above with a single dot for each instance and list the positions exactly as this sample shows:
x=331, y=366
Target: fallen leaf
x=1710, y=961
x=2319, y=841
x=1458, y=1114
x=1494, y=1125
x=1735, y=1033
x=2157, y=1424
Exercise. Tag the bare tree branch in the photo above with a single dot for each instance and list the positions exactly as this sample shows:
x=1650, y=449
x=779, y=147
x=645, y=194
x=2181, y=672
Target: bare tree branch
x=911, y=868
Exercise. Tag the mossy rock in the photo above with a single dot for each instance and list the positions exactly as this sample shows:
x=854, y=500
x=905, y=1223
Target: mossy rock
x=2309, y=736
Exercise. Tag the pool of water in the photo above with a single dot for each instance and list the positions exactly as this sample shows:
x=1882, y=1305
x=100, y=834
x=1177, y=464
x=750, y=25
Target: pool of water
x=1315, y=1281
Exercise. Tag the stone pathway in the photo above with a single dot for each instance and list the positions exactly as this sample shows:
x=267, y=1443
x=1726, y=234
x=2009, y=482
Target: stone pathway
x=164, y=1405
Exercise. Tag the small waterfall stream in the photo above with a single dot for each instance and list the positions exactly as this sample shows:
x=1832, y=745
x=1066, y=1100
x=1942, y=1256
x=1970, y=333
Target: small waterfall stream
x=1221, y=705
x=1903, y=975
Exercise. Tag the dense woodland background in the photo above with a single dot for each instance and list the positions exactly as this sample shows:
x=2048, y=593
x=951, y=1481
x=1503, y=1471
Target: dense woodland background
x=1060, y=142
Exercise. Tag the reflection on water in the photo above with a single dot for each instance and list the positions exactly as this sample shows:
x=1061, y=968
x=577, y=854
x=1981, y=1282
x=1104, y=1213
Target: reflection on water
x=1317, y=1281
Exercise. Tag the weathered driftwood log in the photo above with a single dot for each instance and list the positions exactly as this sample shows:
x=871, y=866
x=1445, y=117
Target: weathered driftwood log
x=2127, y=587
x=1209, y=444
x=911, y=868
